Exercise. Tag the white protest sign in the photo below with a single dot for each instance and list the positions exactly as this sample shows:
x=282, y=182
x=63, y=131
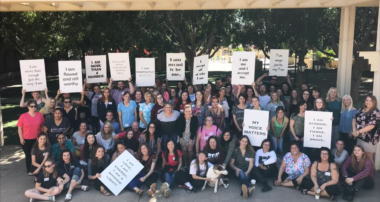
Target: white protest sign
x=119, y=66
x=120, y=172
x=33, y=75
x=279, y=59
x=70, y=76
x=175, y=66
x=243, y=68
x=255, y=126
x=145, y=72
x=200, y=70
x=317, y=132
x=96, y=68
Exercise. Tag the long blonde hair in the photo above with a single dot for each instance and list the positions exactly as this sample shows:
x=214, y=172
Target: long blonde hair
x=46, y=174
x=328, y=94
x=104, y=134
x=351, y=107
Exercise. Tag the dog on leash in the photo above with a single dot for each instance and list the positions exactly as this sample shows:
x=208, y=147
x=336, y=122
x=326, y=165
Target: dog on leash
x=215, y=174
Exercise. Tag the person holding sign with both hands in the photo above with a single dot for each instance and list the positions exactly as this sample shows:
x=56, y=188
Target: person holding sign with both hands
x=118, y=93
x=40, y=102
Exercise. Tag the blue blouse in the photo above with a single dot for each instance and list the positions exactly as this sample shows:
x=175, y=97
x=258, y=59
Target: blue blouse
x=345, y=124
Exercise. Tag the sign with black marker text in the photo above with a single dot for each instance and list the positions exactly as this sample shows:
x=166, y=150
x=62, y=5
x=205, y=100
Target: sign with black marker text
x=145, y=72
x=119, y=66
x=255, y=126
x=33, y=75
x=175, y=66
x=243, y=68
x=317, y=132
x=96, y=69
x=279, y=59
x=200, y=70
x=70, y=76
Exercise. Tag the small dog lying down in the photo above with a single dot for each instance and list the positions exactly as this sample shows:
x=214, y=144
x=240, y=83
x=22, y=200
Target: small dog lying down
x=215, y=173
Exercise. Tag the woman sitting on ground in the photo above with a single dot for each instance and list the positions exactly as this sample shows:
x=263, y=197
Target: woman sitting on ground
x=46, y=186
x=265, y=165
x=215, y=155
x=130, y=142
x=120, y=148
x=227, y=143
x=89, y=145
x=79, y=136
x=242, y=163
x=171, y=163
x=294, y=168
x=358, y=173
x=96, y=165
x=105, y=137
x=150, y=136
x=324, y=176
x=339, y=154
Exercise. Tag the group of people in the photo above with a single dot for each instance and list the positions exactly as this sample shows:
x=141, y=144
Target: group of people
x=178, y=133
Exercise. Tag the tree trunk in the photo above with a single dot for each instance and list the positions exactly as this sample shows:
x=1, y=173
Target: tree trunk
x=357, y=69
x=300, y=75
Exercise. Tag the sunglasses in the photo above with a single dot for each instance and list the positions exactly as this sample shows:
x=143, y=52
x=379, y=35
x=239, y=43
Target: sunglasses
x=32, y=106
x=48, y=166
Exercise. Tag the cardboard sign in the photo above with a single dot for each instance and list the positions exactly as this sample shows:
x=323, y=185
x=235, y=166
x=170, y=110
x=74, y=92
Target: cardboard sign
x=96, y=69
x=200, y=70
x=175, y=66
x=70, y=76
x=119, y=66
x=279, y=59
x=317, y=131
x=120, y=172
x=145, y=72
x=33, y=75
x=255, y=126
x=243, y=68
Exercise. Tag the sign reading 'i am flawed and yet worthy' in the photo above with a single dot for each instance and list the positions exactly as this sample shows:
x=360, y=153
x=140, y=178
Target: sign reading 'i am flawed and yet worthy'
x=200, y=75
x=96, y=69
x=279, y=59
x=175, y=66
x=33, y=75
x=243, y=68
x=70, y=76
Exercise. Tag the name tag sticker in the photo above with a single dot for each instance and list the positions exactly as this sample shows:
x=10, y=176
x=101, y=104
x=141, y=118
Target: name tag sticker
x=46, y=179
x=43, y=154
x=174, y=158
x=83, y=141
x=110, y=103
x=327, y=173
x=246, y=159
x=192, y=106
x=126, y=125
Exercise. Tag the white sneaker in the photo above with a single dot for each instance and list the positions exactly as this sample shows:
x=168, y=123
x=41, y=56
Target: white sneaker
x=164, y=187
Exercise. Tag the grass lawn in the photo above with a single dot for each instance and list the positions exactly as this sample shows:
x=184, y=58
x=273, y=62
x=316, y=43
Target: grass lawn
x=11, y=113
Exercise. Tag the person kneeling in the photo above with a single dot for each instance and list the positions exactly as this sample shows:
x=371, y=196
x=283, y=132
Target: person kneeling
x=46, y=186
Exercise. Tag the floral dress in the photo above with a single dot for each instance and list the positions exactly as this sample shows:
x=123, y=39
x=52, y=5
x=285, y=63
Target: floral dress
x=363, y=120
x=296, y=169
x=199, y=112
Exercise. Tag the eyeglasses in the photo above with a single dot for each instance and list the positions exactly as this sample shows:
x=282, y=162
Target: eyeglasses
x=66, y=102
x=325, y=154
x=48, y=166
x=32, y=106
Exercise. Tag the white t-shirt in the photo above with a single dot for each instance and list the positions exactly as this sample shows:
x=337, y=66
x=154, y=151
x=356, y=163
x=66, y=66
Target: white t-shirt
x=264, y=100
x=340, y=160
x=265, y=158
x=202, y=168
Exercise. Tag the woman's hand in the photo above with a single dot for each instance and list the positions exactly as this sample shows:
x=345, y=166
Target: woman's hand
x=246, y=173
x=299, y=180
x=316, y=187
x=142, y=179
x=296, y=138
x=349, y=180
x=130, y=79
x=323, y=187
x=23, y=92
x=237, y=172
x=22, y=141
x=98, y=175
x=37, y=171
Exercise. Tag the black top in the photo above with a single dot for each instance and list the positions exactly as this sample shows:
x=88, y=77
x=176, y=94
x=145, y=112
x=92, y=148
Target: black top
x=68, y=169
x=102, y=109
x=181, y=125
x=54, y=130
x=46, y=182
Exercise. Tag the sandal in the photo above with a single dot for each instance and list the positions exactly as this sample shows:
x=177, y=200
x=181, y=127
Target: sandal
x=304, y=191
x=68, y=197
x=139, y=192
x=105, y=192
x=84, y=187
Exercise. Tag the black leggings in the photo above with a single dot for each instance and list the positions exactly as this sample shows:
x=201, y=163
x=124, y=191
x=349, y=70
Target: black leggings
x=260, y=175
x=332, y=190
x=182, y=177
x=151, y=179
x=366, y=183
x=27, y=148
x=349, y=143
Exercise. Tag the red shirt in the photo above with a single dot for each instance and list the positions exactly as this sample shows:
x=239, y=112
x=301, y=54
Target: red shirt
x=171, y=161
x=31, y=126
x=124, y=133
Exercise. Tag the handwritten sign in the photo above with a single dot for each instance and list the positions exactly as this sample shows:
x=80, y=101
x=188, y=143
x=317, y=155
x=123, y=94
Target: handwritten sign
x=96, y=69
x=70, y=76
x=200, y=70
x=317, y=129
x=175, y=66
x=120, y=172
x=119, y=66
x=33, y=75
x=145, y=72
x=279, y=59
x=243, y=68
x=255, y=126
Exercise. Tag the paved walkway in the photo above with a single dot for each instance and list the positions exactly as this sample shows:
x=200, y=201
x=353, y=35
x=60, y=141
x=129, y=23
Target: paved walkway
x=14, y=181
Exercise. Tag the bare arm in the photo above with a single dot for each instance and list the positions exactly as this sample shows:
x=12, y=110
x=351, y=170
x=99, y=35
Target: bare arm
x=142, y=118
x=110, y=83
x=135, y=114
x=22, y=102
x=20, y=135
x=273, y=119
x=284, y=128
x=260, y=79
x=197, y=143
x=179, y=164
x=41, y=189
x=236, y=123
x=132, y=87
x=291, y=125
x=313, y=174
x=254, y=89
x=281, y=171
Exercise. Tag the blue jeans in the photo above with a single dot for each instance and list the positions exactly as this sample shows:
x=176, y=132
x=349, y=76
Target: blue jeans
x=165, y=139
x=77, y=172
x=136, y=181
x=300, y=143
x=170, y=178
x=276, y=147
x=244, y=179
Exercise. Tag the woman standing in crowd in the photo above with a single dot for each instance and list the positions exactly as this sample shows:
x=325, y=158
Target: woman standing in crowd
x=228, y=144
x=278, y=126
x=199, y=107
x=365, y=124
x=94, y=97
x=306, y=99
x=171, y=163
x=316, y=93
x=29, y=126
x=164, y=91
x=70, y=113
x=152, y=139
x=204, y=132
x=273, y=104
x=40, y=102
x=88, y=147
x=150, y=174
x=182, y=101
x=190, y=93
x=217, y=113
x=293, y=103
x=173, y=96
x=358, y=173
x=127, y=111
x=272, y=88
x=168, y=120
x=339, y=153
x=334, y=104
x=187, y=126
x=294, y=168
x=40, y=153
x=242, y=163
x=265, y=165
x=106, y=103
x=48, y=184
x=105, y=138
x=297, y=125
x=72, y=172
x=157, y=108
x=345, y=125
x=207, y=96
x=180, y=88
x=79, y=136
x=96, y=165
x=224, y=103
x=214, y=154
x=144, y=111
x=286, y=92
x=324, y=175
x=319, y=105
x=280, y=95
x=130, y=142
x=49, y=107
x=255, y=104
x=238, y=115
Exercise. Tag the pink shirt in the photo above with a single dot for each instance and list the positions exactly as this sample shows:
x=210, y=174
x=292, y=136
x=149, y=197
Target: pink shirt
x=206, y=133
x=31, y=126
